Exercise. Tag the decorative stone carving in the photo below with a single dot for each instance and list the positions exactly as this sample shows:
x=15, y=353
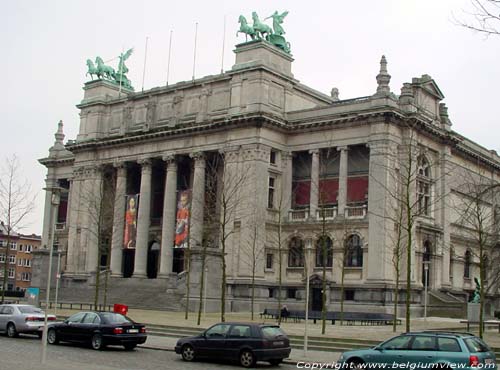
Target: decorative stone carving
x=383, y=78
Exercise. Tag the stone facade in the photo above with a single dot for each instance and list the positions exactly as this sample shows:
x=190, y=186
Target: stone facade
x=288, y=164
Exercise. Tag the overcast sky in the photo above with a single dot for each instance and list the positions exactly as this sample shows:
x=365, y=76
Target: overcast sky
x=335, y=43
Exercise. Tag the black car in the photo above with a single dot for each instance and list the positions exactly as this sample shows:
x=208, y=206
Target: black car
x=243, y=342
x=98, y=329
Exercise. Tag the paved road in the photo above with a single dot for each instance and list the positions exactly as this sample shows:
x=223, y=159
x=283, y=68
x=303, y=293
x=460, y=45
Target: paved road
x=24, y=353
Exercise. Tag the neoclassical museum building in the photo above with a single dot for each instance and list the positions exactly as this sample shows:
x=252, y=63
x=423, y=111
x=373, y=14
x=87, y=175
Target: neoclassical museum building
x=280, y=166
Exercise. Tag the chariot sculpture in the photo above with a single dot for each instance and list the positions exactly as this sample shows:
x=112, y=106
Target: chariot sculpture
x=105, y=72
x=261, y=31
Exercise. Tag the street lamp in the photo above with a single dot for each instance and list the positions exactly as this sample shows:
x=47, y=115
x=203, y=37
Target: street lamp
x=58, y=277
x=205, y=291
x=308, y=249
x=426, y=283
x=55, y=203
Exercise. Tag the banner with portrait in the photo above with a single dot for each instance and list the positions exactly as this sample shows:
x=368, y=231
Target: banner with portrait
x=182, y=219
x=130, y=233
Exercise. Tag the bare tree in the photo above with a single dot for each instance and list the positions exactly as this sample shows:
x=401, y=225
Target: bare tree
x=476, y=204
x=98, y=198
x=17, y=201
x=484, y=17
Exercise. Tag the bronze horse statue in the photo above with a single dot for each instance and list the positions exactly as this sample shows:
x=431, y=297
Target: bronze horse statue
x=245, y=28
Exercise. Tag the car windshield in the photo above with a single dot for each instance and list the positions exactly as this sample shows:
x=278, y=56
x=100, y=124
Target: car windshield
x=272, y=331
x=29, y=309
x=115, y=318
x=476, y=345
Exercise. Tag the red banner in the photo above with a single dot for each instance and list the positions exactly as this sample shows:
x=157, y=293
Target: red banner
x=130, y=221
x=182, y=219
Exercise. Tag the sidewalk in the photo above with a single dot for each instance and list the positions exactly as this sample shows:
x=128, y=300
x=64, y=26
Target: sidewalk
x=297, y=355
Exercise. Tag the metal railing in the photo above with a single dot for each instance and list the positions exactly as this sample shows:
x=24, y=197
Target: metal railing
x=77, y=305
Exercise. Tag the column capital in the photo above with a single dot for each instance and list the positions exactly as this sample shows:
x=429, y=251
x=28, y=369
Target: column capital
x=314, y=151
x=343, y=148
x=119, y=165
x=145, y=162
x=287, y=154
x=170, y=161
x=199, y=158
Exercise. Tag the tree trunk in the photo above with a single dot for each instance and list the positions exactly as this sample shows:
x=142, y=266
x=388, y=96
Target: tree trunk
x=202, y=283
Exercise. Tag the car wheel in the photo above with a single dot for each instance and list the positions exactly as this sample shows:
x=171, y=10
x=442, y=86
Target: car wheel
x=11, y=330
x=52, y=337
x=130, y=346
x=355, y=363
x=97, y=342
x=187, y=352
x=247, y=358
x=276, y=361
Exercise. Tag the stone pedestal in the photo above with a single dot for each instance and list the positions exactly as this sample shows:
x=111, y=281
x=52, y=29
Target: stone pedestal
x=473, y=310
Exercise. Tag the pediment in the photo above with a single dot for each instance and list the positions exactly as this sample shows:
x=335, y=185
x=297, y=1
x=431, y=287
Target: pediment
x=430, y=86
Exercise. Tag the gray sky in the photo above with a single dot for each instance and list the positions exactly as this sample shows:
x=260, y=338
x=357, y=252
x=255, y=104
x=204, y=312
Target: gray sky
x=335, y=43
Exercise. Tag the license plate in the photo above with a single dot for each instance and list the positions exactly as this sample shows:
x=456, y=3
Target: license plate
x=280, y=343
x=488, y=360
x=133, y=330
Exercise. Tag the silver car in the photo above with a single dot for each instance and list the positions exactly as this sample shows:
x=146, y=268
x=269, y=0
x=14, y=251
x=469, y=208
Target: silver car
x=22, y=318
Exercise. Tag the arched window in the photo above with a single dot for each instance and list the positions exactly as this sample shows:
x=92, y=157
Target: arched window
x=426, y=263
x=354, y=252
x=326, y=243
x=296, y=253
x=423, y=186
x=467, y=263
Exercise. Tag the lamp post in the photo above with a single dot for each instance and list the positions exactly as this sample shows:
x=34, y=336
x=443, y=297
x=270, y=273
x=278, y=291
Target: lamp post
x=205, y=291
x=426, y=283
x=55, y=203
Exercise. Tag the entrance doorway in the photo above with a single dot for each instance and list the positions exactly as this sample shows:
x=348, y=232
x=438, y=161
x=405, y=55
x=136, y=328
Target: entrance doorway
x=153, y=254
x=317, y=299
x=178, y=265
x=128, y=262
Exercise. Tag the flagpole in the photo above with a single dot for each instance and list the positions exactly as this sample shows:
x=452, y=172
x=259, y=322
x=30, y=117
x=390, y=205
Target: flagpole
x=120, y=74
x=223, y=45
x=169, y=50
x=145, y=58
x=195, y=39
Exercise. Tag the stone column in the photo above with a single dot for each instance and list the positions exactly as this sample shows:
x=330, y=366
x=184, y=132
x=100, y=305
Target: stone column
x=342, y=197
x=197, y=201
x=73, y=222
x=118, y=220
x=168, y=221
x=93, y=198
x=287, y=158
x=143, y=220
x=47, y=213
x=314, y=193
x=445, y=215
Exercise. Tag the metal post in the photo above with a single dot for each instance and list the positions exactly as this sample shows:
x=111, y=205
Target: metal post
x=307, y=301
x=205, y=290
x=55, y=203
x=58, y=277
x=426, y=283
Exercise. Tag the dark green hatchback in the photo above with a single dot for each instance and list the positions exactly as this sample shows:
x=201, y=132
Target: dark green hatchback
x=425, y=350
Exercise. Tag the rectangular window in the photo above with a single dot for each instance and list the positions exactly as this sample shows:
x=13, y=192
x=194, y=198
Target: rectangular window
x=3, y=243
x=349, y=295
x=25, y=276
x=271, y=292
x=20, y=247
x=12, y=273
x=12, y=259
x=27, y=263
x=270, y=196
x=29, y=248
x=13, y=246
x=272, y=157
x=269, y=261
x=292, y=293
x=10, y=287
x=20, y=262
x=2, y=258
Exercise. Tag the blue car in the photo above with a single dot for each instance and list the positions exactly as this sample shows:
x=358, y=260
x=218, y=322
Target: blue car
x=425, y=350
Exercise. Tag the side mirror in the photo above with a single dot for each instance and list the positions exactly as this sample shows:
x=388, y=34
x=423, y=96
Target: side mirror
x=378, y=348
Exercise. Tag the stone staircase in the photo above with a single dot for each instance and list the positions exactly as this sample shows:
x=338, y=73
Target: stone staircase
x=136, y=293
x=443, y=304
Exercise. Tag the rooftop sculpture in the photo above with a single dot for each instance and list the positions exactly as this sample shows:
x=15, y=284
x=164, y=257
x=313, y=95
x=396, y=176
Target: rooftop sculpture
x=105, y=72
x=261, y=31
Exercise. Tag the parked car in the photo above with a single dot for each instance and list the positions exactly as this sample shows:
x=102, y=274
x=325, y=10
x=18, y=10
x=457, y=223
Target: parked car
x=246, y=343
x=446, y=350
x=22, y=318
x=98, y=329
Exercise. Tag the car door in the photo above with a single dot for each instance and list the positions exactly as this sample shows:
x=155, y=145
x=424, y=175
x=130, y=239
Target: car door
x=211, y=344
x=2, y=319
x=422, y=350
x=450, y=351
x=7, y=316
x=89, y=324
x=391, y=351
x=69, y=330
x=238, y=336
